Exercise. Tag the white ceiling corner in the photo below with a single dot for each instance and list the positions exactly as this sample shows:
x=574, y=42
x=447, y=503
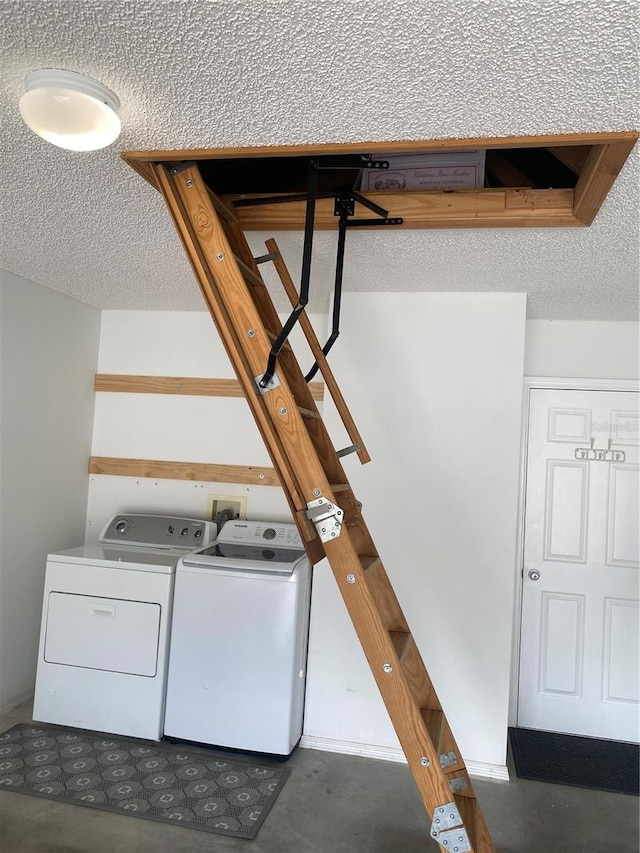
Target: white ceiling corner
x=260, y=72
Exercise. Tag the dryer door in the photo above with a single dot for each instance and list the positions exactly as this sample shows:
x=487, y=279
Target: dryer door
x=102, y=633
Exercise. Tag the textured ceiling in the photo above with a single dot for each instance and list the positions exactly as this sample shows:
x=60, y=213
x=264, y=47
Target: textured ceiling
x=258, y=72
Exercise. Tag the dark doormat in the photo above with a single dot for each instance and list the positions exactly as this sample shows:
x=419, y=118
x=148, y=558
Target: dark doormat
x=584, y=762
x=197, y=788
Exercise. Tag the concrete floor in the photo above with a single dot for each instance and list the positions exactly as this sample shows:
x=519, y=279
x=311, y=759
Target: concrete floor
x=336, y=804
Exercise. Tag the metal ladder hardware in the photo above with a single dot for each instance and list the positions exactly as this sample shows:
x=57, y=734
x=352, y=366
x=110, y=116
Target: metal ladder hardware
x=318, y=492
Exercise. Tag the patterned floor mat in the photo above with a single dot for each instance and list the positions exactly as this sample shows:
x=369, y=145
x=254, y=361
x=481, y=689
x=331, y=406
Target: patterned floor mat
x=199, y=788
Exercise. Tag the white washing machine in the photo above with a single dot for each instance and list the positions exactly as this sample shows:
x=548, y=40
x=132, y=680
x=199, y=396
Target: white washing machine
x=106, y=615
x=237, y=666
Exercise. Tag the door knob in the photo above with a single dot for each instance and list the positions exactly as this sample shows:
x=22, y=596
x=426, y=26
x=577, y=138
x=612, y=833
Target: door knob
x=534, y=574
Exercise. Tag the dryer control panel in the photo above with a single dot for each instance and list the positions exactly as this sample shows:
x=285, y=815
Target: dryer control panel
x=158, y=531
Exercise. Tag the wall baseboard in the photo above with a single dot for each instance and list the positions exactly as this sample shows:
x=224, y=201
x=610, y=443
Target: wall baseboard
x=12, y=704
x=478, y=769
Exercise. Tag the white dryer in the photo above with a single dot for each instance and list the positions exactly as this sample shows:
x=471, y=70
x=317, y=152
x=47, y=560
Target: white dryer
x=106, y=614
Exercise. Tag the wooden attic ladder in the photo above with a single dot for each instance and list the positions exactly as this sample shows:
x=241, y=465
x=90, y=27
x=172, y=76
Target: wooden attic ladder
x=320, y=497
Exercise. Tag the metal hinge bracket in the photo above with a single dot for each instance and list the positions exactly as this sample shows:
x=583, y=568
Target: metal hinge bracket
x=455, y=840
x=326, y=517
x=447, y=829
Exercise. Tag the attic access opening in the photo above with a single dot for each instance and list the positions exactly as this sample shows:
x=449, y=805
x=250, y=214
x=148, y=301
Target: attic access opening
x=544, y=181
x=532, y=168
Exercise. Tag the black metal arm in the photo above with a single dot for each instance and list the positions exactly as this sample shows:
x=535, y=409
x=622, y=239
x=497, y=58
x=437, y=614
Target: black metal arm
x=344, y=208
x=312, y=184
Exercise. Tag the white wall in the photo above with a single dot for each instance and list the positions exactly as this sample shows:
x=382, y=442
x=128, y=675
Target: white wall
x=48, y=354
x=188, y=429
x=582, y=349
x=434, y=382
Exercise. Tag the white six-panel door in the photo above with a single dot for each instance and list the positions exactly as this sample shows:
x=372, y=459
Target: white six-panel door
x=579, y=661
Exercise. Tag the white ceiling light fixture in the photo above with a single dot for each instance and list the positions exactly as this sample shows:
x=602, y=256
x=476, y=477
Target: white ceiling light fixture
x=70, y=110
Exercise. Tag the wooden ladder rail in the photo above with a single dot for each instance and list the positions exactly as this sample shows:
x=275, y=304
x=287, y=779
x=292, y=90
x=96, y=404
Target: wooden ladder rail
x=309, y=468
x=318, y=354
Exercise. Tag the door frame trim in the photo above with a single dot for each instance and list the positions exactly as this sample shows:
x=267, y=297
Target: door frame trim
x=529, y=384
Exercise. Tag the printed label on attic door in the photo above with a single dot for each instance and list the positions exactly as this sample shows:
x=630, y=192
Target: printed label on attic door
x=579, y=662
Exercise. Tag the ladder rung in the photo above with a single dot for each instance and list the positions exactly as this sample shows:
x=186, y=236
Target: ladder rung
x=308, y=413
x=369, y=563
x=263, y=259
x=354, y=448
x=340, y=487
x=459, y=782
x=469, y=814
x=401, y=641
x=418, y=678
x=383, y=595
x=450, y=759
x=433, y=721
x=228, y=214
x=273, y=338
x=253, y=278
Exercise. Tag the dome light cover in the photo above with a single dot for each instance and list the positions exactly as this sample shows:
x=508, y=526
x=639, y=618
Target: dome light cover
x=70, y=110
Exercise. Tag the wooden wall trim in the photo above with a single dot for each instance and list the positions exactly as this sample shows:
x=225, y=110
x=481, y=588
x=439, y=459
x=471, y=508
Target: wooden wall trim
x=186, y=385
x=252, y=475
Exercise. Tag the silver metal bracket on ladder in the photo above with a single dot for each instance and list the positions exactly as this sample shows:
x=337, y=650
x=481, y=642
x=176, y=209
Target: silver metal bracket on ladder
x=274, y=382
x=448, y=759
x=447, y=829
x=326, y=517
x=458, y=784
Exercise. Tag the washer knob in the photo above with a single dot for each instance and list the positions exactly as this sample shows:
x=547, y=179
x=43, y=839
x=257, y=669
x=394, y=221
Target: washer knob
x=122, y=526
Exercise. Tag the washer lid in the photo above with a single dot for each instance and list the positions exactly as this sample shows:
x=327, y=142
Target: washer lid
x=125, y=557
x=272, y=548
x=243, y=557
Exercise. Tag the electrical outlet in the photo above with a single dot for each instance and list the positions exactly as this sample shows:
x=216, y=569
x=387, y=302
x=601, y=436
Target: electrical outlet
x=235, y=504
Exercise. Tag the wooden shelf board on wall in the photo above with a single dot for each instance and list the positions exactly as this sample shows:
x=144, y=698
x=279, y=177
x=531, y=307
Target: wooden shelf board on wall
x=252, y=475
x=185, y=385
x=197, y=471
x=594, y=160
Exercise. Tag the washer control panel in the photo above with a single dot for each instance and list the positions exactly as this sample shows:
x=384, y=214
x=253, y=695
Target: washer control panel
x=158, y=531
x=255, y=532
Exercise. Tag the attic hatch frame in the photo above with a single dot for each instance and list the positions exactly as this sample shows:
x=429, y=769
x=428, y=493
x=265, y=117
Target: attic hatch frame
x=510, y=207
